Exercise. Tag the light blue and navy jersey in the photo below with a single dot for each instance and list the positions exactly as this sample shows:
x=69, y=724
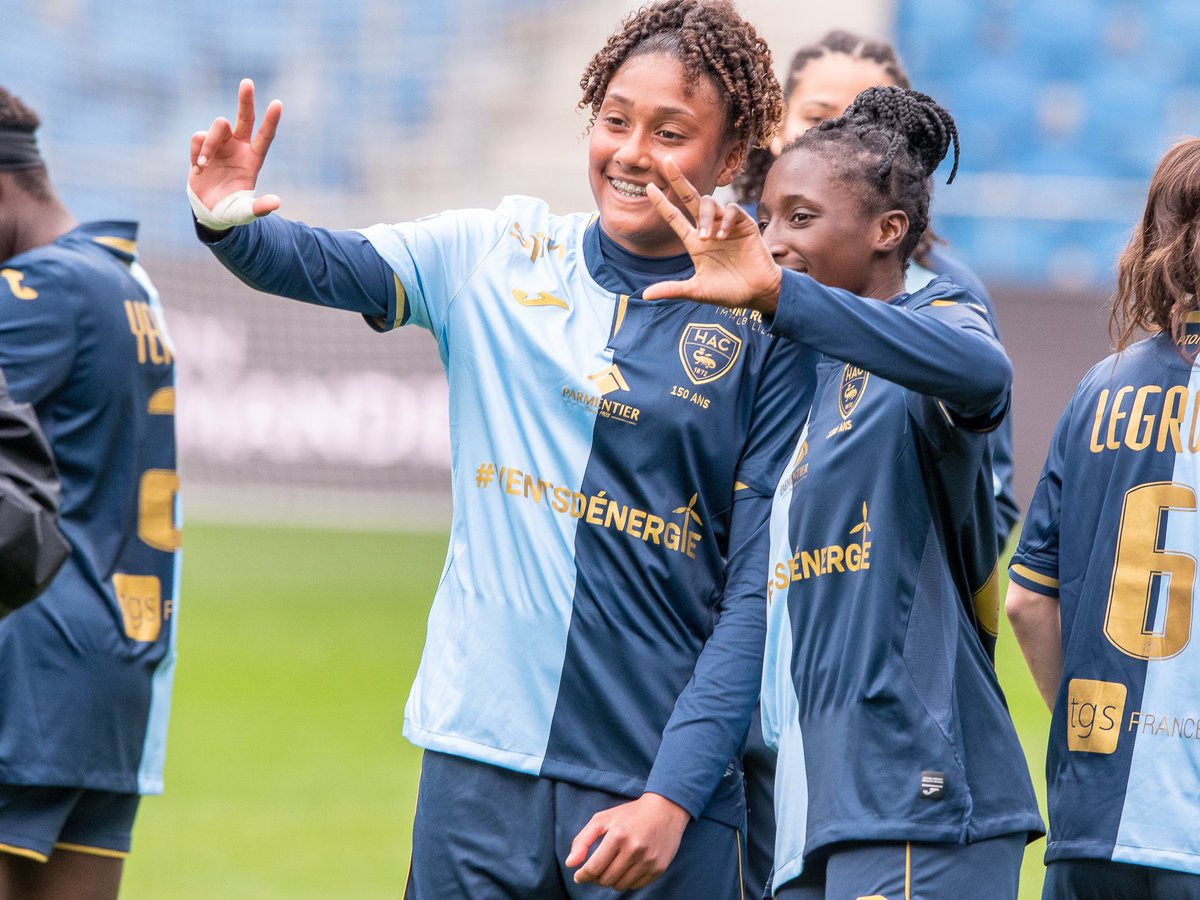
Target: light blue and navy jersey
x=877, y=690
x=86, y=669
x=607, y=455
x=1007, y=511
x=1113, y=532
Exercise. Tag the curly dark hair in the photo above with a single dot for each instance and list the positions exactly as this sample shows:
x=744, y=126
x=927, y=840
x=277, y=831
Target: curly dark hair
x=708, y=38
x=886, y=148
x=17, y=116
x=1158, y=273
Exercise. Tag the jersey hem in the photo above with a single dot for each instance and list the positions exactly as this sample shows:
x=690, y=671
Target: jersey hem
x=117, y=784
x=543, y=767
x=1159, y=858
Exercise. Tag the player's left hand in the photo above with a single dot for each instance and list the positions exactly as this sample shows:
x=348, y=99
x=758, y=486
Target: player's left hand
x=640, y=838
x=734, y=268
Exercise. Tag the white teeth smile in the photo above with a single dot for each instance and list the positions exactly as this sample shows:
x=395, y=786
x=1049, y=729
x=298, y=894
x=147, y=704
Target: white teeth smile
x=628, y=188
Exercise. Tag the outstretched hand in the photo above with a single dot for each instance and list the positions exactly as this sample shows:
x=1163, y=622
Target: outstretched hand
x=227, y=158
x=734, y=268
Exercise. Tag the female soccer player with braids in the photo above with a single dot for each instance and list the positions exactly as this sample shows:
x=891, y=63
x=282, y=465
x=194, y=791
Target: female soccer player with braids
x=899, y=770
x=1102, y=590
x=823, y=79
x=584, y=683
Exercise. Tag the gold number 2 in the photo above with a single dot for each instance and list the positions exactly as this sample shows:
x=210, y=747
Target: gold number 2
x=156, y=509
x=1139, y=570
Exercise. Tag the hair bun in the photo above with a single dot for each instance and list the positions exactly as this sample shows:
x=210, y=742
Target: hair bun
x=916, y=119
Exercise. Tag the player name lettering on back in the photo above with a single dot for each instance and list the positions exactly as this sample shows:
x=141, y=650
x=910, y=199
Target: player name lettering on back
x=1146, y=417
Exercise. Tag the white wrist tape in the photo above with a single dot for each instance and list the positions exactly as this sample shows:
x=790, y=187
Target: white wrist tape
x=235, y=209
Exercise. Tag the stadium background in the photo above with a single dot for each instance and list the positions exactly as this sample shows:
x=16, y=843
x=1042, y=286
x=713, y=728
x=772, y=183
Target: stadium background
x=315, y=453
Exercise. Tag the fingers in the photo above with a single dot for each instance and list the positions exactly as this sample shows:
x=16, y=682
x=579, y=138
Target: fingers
x=681, y=187
x=265, y=204
x=672, y=290
x=217, y=134
x=194, y=150
x=588, y=835
x=596, y=868
x=708, y=214
x=731, y=215
x=670, y=212
x=245, y=110
x=266, y=131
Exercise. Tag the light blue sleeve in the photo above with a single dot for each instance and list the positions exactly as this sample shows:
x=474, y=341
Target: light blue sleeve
x=391, y=274
x=432, y=258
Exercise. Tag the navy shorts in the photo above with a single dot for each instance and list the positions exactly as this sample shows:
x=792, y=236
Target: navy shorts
x=36, y=820
x=1102, y=879
x=758, y=768
x=902, y=870
x=482, y=832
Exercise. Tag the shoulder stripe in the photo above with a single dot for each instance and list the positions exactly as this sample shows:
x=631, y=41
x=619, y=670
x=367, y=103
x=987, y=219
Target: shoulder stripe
x=1035, y=577
x=622, y=308
x=122, y=244
x=401, y=299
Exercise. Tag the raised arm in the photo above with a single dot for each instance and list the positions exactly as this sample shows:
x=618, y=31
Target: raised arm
x=225, y=162
x=947, y=350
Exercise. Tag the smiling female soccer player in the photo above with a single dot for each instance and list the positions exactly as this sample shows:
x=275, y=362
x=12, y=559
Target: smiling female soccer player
x=609, y=455
x=899, y=769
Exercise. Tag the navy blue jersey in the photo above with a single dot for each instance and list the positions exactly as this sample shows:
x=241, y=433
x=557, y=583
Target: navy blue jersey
x=877, y=689
x=608, y=454
x=1113, y=532
x=86, y=669
x=1001, y=440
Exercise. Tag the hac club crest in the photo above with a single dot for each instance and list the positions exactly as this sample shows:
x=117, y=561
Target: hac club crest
x=708, y=352
x=854, y=384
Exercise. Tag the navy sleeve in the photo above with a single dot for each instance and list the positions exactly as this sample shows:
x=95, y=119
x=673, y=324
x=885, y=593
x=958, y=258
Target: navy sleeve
x=39, y=311
x=944, y=349
x=338, y=269
x=708, y=725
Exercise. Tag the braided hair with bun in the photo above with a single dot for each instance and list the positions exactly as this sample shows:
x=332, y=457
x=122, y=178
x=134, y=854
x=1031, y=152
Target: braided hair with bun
x=885, y=148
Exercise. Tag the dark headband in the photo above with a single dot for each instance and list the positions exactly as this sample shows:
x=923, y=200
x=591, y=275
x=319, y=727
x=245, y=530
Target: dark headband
x=18, y=150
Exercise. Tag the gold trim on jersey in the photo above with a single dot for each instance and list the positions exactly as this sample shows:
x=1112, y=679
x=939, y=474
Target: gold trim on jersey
x=26, y=853
x=123, y=244
x=987, y=603
x=1035, y=577
x=93, y=851
x=543, y=298
x=622, y=308
x=401, y=299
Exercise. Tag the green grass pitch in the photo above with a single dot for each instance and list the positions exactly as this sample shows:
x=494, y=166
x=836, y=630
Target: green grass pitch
x=287, y=776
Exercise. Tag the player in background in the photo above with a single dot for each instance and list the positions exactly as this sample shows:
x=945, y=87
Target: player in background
x=899, y=770
x=823, y=79
x=32, y=548
x=1102, y=585
x=609, y=455
x=86, y=669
